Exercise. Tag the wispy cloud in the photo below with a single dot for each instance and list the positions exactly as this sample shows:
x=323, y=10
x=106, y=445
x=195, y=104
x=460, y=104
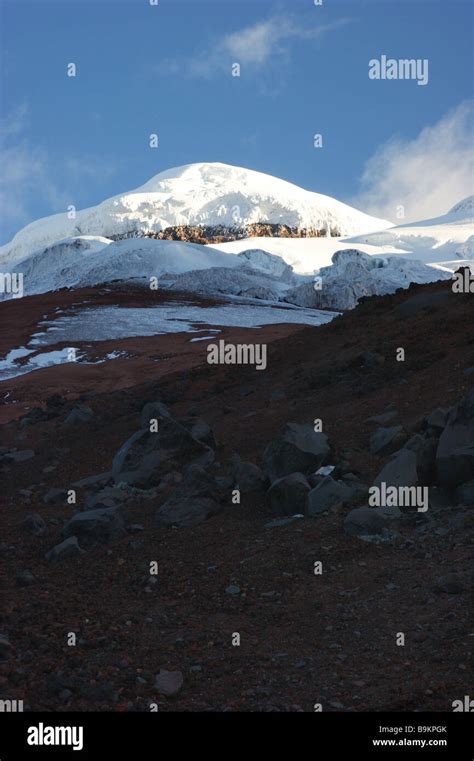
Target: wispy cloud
x=24, y=172
x=256, y=46
x=32, y=181
x=426, y=175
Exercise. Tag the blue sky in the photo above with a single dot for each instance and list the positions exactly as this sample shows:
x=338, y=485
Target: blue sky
x=166, y=69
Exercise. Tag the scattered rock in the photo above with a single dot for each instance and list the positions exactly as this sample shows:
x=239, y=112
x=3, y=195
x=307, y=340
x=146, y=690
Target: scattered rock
x=387, y=440
x=100, y=479
x=184, y=511
x=327, y=494
x=400, y=470
x=365, y=520
x=95, y=526
x=425, y=449
x=232, y=589
x=288, y=495
x=278, y=395
x=25, y=578
x=79, y=414
x=5, y=646
x=455, y=453
x=108, y=497
x=465, y=493
x=34, y=524
x=169, y=682
x=17, y=456
x=202, y=432
x=139, y=459
x=450, y=584
x=283, y=521
x=371, y=359
x=298, y=449
x=385, y=417
x=55, y=496
x=153, y=411
x=248, y=477
x=67, y=549
x=437, y=419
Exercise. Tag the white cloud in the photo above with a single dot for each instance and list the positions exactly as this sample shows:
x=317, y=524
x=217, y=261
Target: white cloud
x=255, y=45
x=426, y=175
x=31, y=179
x=24, y=171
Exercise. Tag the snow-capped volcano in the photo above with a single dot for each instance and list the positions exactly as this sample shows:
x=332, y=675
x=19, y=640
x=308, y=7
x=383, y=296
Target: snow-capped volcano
x=210, y=194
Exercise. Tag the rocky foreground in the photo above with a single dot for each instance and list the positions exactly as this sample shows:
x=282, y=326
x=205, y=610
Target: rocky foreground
x=202, y=541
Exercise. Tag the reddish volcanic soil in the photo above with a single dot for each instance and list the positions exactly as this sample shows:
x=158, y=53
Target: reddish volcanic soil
x=150, y=358
x=305, y=638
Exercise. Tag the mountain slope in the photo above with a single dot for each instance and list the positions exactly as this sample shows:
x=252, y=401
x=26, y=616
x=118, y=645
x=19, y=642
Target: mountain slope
x=197, y=194
x=447, y=240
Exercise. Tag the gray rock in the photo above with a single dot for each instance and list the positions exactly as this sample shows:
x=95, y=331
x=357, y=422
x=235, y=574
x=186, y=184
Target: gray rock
x=95, y=526
x=400, y=470
x=437, y=419
x=288, y=495
x=25, y=578
x=202, y=432
x=183, y=511
x=298, y=449
x=415, y=442
x=100, y=479
x=34, y=524
x=5, y=646
x=455, y=453
x=79, y=414
x=278, y=395
x=426, y=461
x=141, y=459
x=465, y=493
x=450, y=584
x=196, y=482
x=17, y=456
x=425, y=448
x=327, y=494
x=371, y=359
x=169, y=682
x=67, y=549
x=365, y=520
x=283, y=521
x=137, y=460
x=108, y=497
x=232, y=589
x=387, y=440
x=248, y=477
x=385, y=417
x=55, y=496
x=153, y=411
